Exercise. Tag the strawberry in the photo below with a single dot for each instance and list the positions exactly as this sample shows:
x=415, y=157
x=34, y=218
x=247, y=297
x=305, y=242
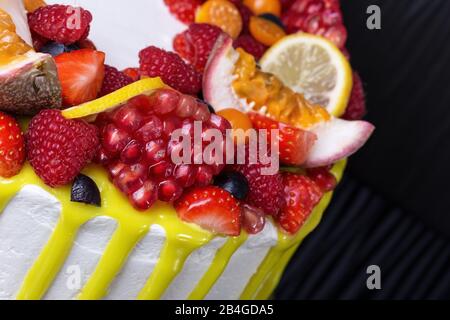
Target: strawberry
x=324, y=179
x=211, y=208
x=58, y=148
x=61, y=23
x=113, y=80
x=12, y=147
x=155, y=62
x=184, y=10
x=301, y=196
x=195, y=44
x=294, y=143
x=81, y=75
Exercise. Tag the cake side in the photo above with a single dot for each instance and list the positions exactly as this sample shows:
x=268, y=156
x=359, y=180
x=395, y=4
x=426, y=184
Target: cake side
x=56, y=249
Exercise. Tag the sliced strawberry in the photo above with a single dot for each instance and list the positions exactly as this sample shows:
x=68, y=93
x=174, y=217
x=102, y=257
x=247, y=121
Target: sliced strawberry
x=294, y=143
x=323, y=178
x=12, y=146
x=211, y=208
x=301, y=195
x=81, y=74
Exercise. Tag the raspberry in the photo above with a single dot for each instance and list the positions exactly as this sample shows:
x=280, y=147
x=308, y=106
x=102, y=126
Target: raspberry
x=61, y=23
x=356, y=109
x=195, y=44
x=184, y=10
x=137, y=146
x=114, y=80
x=250, y=45
x=320, y=17
x=51, y=148
x=266, y=191
x=155, y=62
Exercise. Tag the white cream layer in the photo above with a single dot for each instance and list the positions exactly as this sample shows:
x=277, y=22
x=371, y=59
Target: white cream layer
x=28, y=221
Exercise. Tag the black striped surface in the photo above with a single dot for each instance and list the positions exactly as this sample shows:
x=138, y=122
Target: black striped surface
x=360, y=229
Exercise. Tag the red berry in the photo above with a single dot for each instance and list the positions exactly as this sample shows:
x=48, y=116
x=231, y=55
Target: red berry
x=320, y=17
x=211, y=208
x=51, y=148
x=144, y=197
x=323, y=178
x=61, y=23
x=12, y=146
x=184, y=10
x=155, y=62
x=195, y=44
x=265, y=191
x=356, y=108
x=113, y=80
x=81, y=74
x=253, y=219
x=250, y=45
x=301, y=197
x=294, y=143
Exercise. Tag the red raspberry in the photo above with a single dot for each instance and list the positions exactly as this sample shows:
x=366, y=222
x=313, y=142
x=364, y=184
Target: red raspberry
x=137, y=146
x=265, y=191
x=61, y=23
x=250, y=45
x=195, y=44
x=356, y=109
x=114, y=80
x=155, y=62
x=52, y=150
x=184, y=10
x=320, y=17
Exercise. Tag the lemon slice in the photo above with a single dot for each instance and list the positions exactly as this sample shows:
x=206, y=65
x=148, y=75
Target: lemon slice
x=314, y=67
x=114, y=99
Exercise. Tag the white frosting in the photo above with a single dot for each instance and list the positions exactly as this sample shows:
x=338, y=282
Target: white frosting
x=27, y=223
x=122, y=29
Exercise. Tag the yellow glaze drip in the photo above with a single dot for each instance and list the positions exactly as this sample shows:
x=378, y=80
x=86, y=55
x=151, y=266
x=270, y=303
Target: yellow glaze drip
x=181, y=240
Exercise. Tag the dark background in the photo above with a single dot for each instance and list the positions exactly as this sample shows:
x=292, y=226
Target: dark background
x=393, y=207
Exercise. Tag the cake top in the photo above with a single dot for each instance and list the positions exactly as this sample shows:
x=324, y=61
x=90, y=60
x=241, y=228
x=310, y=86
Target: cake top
x=242, y=123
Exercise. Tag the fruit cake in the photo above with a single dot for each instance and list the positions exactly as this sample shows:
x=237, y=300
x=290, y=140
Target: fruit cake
x=132, y=158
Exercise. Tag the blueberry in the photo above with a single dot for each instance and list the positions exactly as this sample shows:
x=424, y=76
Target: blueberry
x=55, y=48
x=273, y=18
x=233, y=182
x=84, y=190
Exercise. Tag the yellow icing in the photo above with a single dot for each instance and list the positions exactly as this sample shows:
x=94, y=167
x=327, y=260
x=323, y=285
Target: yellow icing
x=181, y=240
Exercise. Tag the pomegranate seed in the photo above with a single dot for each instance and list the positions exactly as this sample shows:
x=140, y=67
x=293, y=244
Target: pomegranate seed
x=185, y=175
x=161, y=170
x=128, y=118
x=187, y=106
x=114, y=139
x=253, y=219
x=164, y=101
x=155, y=151
x=204, y=176
x=170, y=124
x=142, y=103
x=131, y=178
x=220, y=123
x=151, y=130
x=102, y=157
x=169, y=191
x=202, y=113
x=144, y=197
x=115, y=168
x=132, y=153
